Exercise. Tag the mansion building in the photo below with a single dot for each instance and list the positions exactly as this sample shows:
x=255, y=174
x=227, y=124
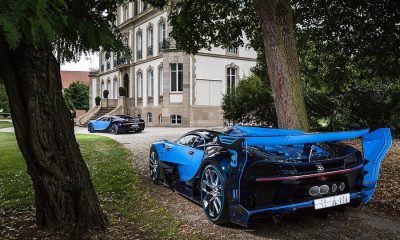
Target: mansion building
x=164, y=86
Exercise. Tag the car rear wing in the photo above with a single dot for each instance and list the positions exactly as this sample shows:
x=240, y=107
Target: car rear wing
x=375, y=146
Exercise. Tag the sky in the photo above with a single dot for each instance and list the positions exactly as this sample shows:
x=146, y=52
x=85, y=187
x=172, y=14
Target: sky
x=83, y=65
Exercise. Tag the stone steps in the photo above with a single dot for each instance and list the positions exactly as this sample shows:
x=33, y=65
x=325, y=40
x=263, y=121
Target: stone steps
x=103, y=111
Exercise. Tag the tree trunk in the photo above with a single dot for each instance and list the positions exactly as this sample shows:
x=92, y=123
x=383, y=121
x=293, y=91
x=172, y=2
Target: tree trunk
x=64, y=195
x=276, y=20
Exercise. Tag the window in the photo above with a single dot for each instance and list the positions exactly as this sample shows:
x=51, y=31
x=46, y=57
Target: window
x=145, y=6
x=231, y=75
x=139, y=85
x=185, y=140
x=160, y=81
x=176, y=77
x=139, y=45
x=126, y=84
x=115, y=60
x=232, y=50
x=108, y=85
x=150, y=41
x=108, y=62
x=136, y=7
x=126, y=39
x=115, y=88
x=150, y=83
x=162, y=36
x=126, y=12
x=160, y=119
x=176, y=119
x=149, y=117
x=191, y=140
x=105, y=119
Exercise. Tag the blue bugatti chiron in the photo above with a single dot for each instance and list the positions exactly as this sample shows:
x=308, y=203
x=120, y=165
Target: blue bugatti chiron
x=251, y=172
x=116, y=124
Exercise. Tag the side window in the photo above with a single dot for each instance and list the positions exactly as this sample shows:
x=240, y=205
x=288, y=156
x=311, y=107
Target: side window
x=196, y=142
x=186, y=140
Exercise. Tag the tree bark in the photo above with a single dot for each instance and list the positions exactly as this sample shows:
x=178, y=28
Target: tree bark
x=276, y=21
x=64, y=195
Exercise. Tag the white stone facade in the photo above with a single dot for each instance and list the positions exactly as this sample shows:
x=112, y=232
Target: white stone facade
x=167, y=87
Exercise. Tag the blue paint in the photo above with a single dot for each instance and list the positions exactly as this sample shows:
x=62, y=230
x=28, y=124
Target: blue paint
x=297, y=139
x=100, y=125
x=375, y=146
x=259, y=131
x=233, y=157
x=187, y=164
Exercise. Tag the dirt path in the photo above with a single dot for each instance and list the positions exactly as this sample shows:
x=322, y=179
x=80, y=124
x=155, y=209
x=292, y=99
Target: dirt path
x=353, y=224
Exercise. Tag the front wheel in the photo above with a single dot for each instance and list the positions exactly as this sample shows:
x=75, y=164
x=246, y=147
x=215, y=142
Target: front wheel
x=91, y=128
x=213, y=195
x=154, y=165
x=114, y=129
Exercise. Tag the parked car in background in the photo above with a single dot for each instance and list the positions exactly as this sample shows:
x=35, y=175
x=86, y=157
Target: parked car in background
x=251, y=172
x=134, y=119
x=116, y=124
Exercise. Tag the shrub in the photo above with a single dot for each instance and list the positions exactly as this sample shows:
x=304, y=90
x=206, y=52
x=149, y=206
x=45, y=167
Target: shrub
x=97, y=100
x=250, y=103
x=122, y=91
x=105, y=93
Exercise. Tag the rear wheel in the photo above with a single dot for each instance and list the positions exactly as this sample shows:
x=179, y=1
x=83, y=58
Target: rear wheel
x=91, y=128
x=114, y=129
x=213, y=195
x=154, y=165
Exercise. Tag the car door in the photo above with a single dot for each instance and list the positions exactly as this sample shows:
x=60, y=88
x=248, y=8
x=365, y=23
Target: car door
x=102, y=123
x=181, y=153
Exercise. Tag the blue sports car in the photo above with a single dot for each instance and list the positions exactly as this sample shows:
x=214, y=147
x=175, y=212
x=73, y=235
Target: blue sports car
x=116, y=124
x=250, y=172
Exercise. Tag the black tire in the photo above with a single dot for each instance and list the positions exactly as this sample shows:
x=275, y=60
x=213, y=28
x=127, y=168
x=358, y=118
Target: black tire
x=91, y=128
x=139, y=131
x=154, y=166
x=213, y=196
x=114, y=129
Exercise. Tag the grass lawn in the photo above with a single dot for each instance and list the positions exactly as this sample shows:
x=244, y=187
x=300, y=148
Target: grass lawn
x=116, y=182
x=4, y=124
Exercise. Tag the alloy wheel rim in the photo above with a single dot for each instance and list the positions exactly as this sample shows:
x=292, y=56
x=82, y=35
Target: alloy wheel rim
x=212, y=197
x=114, y=129
x=153, y=165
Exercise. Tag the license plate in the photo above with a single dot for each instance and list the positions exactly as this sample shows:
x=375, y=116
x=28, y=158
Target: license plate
x=332, y=201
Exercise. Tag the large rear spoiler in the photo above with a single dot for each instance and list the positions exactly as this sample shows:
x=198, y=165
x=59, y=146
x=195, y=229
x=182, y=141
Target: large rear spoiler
x=375, y=146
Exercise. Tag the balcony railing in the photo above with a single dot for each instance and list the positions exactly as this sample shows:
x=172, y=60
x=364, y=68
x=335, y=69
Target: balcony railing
x=139, y=54
x=166, y=44
x=121, y=61
x=93, y=71
x=149, y=50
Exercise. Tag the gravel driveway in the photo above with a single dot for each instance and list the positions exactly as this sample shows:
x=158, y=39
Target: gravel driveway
x=353, y=224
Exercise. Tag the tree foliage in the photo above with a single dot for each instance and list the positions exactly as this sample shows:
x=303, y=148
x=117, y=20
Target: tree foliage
x=77, y=96
x=349, y=58
x=250, y=102
x=71, y=27
x=216, y=23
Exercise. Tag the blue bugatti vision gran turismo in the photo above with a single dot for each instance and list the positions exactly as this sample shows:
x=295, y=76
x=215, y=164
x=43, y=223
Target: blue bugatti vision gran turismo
x=251, y=172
